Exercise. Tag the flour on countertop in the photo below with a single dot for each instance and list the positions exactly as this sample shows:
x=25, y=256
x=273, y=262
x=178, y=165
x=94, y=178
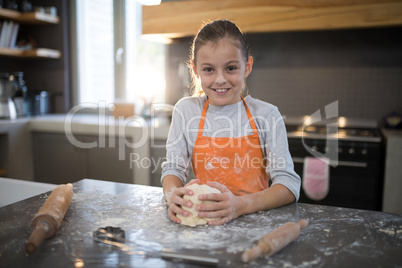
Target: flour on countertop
x=391, y=231
x=311, y=263
x=146, y=222
x=109, y=222
x=168, y=234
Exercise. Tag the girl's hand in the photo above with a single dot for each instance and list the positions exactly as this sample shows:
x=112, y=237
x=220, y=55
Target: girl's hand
x=175, y=201
x=227, y=206
x=192, y=182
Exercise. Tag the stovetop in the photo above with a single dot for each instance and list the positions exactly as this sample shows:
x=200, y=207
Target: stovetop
x=340, y=128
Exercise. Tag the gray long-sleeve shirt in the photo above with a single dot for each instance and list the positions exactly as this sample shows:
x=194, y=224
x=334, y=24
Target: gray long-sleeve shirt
x=230, y=121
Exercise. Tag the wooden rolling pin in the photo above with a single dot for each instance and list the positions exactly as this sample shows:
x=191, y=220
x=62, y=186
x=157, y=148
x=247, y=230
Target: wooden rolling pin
x=275, y=240
x=48, y=219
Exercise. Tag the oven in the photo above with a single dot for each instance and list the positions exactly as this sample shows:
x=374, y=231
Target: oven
x=356, y=181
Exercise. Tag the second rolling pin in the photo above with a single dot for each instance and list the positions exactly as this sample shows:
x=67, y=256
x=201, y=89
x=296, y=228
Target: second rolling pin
x=275, y=240
x=48, y=219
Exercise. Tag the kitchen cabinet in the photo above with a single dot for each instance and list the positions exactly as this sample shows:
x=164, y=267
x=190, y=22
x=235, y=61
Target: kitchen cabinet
x=58, y=161
x=45, y=68
x=133, y=140
x=15, y=149
x=103, y=162
x=392, y=197
x=183, y=18
x=4, y=153
x=158, y=156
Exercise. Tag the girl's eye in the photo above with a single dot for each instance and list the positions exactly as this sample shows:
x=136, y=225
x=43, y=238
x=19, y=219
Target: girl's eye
x=208, y=70
x=232, y=68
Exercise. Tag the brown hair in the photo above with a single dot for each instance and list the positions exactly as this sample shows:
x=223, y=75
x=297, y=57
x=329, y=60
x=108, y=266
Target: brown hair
x=213, y=32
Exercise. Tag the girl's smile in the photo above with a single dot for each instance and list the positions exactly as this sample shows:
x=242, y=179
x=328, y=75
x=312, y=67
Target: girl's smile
x=222, y=69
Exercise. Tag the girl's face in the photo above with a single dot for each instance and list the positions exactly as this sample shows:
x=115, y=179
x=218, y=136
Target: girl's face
x=222, y=69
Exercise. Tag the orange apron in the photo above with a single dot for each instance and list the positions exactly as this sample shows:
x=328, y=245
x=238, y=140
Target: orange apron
x=237, y=162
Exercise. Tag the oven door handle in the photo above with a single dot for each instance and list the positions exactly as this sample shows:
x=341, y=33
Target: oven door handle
x=300, y=160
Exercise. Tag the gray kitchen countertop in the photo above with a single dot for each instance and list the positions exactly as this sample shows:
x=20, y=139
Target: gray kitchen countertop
x=92, y=124
x=335, y=237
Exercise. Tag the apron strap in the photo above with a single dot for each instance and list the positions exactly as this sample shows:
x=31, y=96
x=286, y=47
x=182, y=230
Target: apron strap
x=250, y=117
x=202, y=120
x=204, y=114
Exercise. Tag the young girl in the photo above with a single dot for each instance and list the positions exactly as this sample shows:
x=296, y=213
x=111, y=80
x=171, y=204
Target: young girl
x=237, y=145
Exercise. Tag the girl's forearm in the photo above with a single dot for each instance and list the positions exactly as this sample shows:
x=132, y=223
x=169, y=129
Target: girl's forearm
x=272, y=197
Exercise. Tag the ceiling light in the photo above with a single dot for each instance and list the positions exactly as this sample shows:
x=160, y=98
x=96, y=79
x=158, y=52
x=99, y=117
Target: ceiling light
x=149, y=2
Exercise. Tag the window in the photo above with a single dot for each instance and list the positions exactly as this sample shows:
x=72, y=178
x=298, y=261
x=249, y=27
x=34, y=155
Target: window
x=113, y=61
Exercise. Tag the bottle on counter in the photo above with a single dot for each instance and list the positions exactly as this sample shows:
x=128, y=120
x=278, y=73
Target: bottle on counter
x=20, y=97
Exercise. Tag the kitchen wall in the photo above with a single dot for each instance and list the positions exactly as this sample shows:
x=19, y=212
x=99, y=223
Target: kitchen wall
x=301, y=72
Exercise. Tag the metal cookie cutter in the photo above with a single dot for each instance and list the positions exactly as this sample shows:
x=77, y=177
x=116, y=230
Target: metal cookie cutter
x=109, y=233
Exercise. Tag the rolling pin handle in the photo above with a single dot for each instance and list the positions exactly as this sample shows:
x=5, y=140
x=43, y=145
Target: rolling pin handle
x=37, y=236
x=251, y=254
x=275, y=240
x=302, y=224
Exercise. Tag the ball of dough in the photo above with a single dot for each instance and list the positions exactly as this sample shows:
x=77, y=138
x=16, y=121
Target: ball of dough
x=194, y=219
